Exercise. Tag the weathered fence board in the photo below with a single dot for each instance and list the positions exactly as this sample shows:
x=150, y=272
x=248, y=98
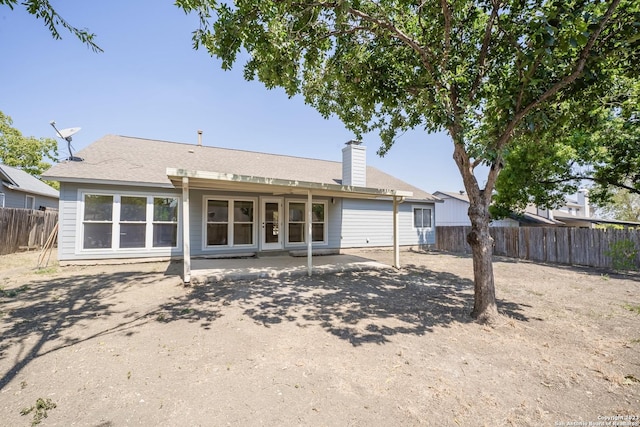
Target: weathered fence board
x=561, y=245
x=24, y=228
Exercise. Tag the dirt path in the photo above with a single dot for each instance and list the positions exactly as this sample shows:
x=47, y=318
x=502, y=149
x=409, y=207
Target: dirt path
x=128, y=345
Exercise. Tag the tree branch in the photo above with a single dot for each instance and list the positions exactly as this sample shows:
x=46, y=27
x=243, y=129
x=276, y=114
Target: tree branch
x=564, y=82
x=596, y=180
x=484, y=50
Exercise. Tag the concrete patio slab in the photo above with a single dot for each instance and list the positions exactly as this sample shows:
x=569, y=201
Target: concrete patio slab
x=216, y=270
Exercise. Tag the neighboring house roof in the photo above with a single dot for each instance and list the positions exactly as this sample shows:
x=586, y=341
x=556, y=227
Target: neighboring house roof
x=529, y=216
x=463, y=197
x=138, y=161
x=19, y=180
x=572, y=219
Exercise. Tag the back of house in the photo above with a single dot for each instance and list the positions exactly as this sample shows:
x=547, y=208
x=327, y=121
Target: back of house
x=136, y=198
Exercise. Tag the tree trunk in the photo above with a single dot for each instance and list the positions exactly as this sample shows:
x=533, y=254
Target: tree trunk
x=484, y=307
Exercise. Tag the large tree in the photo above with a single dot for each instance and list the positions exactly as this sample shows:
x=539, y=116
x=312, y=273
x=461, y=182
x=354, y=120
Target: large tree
x=484, y=71
x=25, y=152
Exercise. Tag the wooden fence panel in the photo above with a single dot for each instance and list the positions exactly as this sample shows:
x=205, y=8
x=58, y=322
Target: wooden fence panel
x=24, y=228
x=561, y=245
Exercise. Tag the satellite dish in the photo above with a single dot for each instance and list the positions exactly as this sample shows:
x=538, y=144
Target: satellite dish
x=66, y=134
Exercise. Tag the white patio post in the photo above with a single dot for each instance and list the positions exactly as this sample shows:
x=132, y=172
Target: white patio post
x=396, y=244
x=186, y=248
x=309, y=232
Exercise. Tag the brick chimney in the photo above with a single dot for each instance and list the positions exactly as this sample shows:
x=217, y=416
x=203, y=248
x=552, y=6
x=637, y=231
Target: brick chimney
x=354, y=164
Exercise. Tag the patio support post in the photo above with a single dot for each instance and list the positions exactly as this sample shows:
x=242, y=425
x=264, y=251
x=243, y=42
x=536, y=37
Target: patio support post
x=186, y=248
x=396, y=245
x=309, y=232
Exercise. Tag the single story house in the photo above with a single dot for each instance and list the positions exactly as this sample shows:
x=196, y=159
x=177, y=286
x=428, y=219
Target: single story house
x=18, y=189
x=136, y=198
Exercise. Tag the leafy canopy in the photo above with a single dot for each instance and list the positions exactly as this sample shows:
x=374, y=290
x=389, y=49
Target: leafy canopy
x=26, y=153
x=42, y=9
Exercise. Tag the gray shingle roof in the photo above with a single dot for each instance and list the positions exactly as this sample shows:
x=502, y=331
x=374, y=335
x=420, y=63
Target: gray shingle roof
x=19, y=180
x=129, y=160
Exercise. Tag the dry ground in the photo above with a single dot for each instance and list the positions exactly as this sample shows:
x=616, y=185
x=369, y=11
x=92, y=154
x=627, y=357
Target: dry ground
x=128, y=345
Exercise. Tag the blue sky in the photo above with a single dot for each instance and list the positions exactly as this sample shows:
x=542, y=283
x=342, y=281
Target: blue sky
x=150, y=83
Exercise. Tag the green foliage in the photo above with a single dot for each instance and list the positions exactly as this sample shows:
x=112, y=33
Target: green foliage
x=26, y=153
x=39, y=410
x=42, y=9
x=623, y=255
x=623, y=205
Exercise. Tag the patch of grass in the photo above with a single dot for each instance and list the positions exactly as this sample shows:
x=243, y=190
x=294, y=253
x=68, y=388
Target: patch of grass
x=39, y=410
x=47, y=270
x=12, y=293
x=633, y=308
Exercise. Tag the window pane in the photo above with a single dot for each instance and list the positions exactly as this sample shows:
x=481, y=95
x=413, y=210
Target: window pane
x=317, y=232
x=133, y=209
x=165, y=209
x=216, y=234
x=426, y=217
x=296, y=212
x=417, y=218
x=317, y=212
x=132, y=235
x=165, y=235
x=97, y=236
x=243, y=234
x=243, y=211
x=98, y=208
x=296, y=232
x=217, y=211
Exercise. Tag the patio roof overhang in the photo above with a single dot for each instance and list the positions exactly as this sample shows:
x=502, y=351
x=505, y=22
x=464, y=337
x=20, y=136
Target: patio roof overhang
x=194, y=179
x=257, y=184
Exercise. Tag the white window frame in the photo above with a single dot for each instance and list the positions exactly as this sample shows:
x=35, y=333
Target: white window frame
x=115, y=222
x=325, y=240
x=413, y=216
x=28, y=205
x=2, y=198
x=230, y=222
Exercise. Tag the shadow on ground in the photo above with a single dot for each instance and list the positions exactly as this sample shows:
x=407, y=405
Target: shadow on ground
x=360, y=307
x=35, y=317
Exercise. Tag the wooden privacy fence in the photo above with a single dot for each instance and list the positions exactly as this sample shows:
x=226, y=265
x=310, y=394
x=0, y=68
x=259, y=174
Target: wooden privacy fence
x=561, y=245
x=24, y=228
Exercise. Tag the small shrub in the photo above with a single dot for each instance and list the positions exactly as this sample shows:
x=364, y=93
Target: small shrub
x=623, y=255
x=39, y=410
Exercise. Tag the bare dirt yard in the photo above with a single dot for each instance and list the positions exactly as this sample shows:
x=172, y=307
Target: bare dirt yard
x=129, y=345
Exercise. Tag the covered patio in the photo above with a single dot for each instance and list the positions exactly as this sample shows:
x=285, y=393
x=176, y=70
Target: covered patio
x=265, y=267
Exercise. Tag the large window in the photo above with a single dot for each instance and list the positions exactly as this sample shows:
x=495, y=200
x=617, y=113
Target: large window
x=98, y=221
x=421, y=217
x=119, y=221
x=133, y=222
x=297, y=222
x=165, y=222
x=230, y=222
